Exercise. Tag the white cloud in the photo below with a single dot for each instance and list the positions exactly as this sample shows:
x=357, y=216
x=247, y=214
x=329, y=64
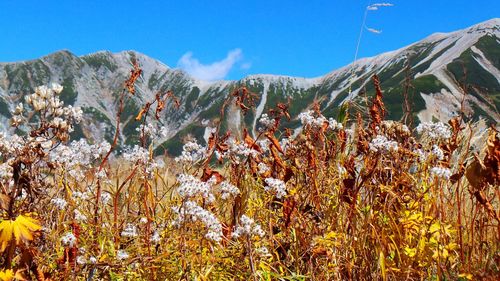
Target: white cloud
x=246, y=66
x=209, y=72
x=373, y=30
x=375, y=7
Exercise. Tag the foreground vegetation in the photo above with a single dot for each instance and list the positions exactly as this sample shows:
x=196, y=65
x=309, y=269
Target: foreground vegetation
x=351, y=198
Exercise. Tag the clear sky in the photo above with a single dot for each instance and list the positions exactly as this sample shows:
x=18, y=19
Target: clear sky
x=230, y=38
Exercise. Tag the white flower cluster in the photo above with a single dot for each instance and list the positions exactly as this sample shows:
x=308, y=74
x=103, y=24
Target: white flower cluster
x=136, y=154
x=10, y=144
x=334, y=125
x=78, y=156
x=59, y=203
x=423, y=156
x=141, y=156
x=151, y=130
x=105, y=198
x=382, y=144
x=263, y=168
x=435, y=131
x=46, y=99
x=190, y=211
x=264, y=144
x=121, y=255
x=156, y=238
x=68, y=239
x=308, y=118
x=247, y=227
x=81, y=260
x=129, y=231
x=390, y=125
x=436, y=151
x=277, y=186
x=79, y=216
x=286, y=143
x=242, y=149
x=263, y=252
x=191, y=152
x=441, y=172
x=190, y=186
x=266, y=122
x=227, y=189
x=6, y=171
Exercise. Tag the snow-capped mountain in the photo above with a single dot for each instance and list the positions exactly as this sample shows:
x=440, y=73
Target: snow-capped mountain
x=446, y=69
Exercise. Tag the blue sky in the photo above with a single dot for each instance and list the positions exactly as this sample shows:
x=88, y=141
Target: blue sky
x=230, y=39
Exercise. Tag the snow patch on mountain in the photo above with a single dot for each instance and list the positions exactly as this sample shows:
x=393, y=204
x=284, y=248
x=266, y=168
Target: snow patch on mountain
x=260, y=107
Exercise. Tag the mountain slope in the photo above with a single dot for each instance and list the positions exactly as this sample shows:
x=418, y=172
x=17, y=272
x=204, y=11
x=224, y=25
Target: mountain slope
x=446, y=69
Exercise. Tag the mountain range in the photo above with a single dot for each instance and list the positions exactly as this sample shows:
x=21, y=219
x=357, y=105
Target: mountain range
x=443, y=73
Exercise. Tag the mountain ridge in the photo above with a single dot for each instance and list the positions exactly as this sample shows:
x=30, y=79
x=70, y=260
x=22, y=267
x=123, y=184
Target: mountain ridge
x=93, y=81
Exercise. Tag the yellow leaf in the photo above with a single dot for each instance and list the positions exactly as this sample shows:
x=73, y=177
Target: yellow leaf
x=467, y=276
x=434, y=227
x=410, y=252
x=382, y=265
x=22, y=228
x=5, y=234
x=9, y=275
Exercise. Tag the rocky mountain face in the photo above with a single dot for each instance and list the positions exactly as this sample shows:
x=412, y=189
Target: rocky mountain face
x=446, y=72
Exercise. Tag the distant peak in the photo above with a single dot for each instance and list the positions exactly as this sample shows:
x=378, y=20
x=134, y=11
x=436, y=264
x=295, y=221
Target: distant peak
x=127, y=55
x=494, y=22
x=64, y=52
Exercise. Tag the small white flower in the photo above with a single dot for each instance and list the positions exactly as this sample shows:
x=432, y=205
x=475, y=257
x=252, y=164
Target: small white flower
x=247, y=226
x=129, y=231
x=56, y=88
x=77, y=195
x=105, y=198
x=68, y=239
x=93, y=260
x=263, y=168
x=263, y=251
x=121, y=255
x=308, y=119
x=438, y=152
x=382, y=144
x=191, y=186
x=79, y=216
x=19, y=109
x=435, y=131
x=441, y=172
x=277, y=186
x=143, y=220
x=59, y=203
x=81, y=260
x=191, y=152
x=6, y=171
x=155, y=238
x=227, y=189
x=334, y=125
x=266, y=122
x=190, y=211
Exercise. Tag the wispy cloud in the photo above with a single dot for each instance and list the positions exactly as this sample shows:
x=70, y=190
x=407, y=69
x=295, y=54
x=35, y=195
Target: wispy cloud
x=246, y=66
x=210, y=72
x=373, y=30
x=375, y=6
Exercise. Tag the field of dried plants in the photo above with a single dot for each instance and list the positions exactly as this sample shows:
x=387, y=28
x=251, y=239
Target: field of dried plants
x=350, y=197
